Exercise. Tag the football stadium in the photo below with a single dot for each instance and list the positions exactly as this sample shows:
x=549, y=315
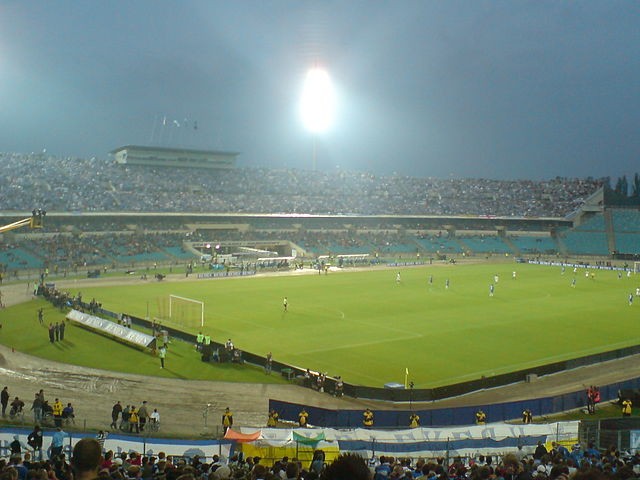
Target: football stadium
x=349, y=302
x=278, y=240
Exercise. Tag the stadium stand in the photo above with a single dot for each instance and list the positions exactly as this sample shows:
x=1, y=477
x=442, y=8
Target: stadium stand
x=530, y=245
x=628, y=243
x=626, y=220
x=585, y=243
x=485, y=244
x=95, y=185
x=593, y=224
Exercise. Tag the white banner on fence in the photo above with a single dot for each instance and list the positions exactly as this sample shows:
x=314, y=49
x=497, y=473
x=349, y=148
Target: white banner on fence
x=494, y=431
x=425, y=442
x=111, y=328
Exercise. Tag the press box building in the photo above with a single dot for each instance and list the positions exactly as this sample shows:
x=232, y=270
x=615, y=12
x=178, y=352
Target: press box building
x=174, y=157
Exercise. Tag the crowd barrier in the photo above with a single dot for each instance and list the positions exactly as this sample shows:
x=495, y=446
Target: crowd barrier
x=124, y=443
x=450, y=416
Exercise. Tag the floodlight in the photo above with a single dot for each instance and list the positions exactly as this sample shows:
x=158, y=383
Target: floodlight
x=317, y=104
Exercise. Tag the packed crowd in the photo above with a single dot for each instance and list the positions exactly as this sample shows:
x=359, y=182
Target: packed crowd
x=89, y=461
x=96, y=185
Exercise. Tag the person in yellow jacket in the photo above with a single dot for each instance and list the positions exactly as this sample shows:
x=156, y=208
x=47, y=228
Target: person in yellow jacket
x=481, y=417
x=414, y=420
x=367, y=418
x=626, y=407
x=303, y=416
x=227, y=419
x=134, y=420
x=57, y=408
x=272, y=421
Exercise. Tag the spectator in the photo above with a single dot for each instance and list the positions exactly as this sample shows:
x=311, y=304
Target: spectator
x=87, y=455
x=347, y=466
x=57, y=442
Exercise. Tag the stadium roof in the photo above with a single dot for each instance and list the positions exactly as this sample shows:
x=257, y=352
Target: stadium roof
x=172, y=150
x=174, y=157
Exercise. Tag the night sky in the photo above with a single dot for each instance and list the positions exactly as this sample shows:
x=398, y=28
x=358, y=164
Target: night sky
x=491, y=89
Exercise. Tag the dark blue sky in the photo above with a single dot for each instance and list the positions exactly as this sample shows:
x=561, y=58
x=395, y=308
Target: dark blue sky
x=497, y=89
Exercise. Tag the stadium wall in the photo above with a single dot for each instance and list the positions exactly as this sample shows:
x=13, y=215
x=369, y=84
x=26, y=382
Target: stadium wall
x=499, y=412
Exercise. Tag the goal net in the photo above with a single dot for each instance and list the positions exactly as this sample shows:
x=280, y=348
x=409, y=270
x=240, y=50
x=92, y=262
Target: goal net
x=636, y=267
x=182, y=310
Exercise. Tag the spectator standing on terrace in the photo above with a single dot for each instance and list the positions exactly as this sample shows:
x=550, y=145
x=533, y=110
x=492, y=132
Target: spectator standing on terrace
x=540, y=451
x=126, y=413
x=36, y=406
x=4, y=400
x=16, y=465
x=527, y=416
x=143, y=415
x=34, y=440
x=116, y=410
x=16, y=446
x=481, y=417
x=57, y=442
x=626, y=407
x=383, y=470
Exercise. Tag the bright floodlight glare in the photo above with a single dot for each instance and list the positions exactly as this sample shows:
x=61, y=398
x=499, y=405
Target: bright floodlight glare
x=318, y=101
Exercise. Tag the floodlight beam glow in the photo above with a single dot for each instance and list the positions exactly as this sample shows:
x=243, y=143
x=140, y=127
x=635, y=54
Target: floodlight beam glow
x=317, y=105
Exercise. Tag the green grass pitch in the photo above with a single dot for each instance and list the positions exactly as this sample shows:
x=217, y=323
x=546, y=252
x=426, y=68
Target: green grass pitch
x=368, y=328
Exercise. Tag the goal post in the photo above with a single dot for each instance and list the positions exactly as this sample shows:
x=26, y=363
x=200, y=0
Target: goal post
x=636, y=267
x=187, y=311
